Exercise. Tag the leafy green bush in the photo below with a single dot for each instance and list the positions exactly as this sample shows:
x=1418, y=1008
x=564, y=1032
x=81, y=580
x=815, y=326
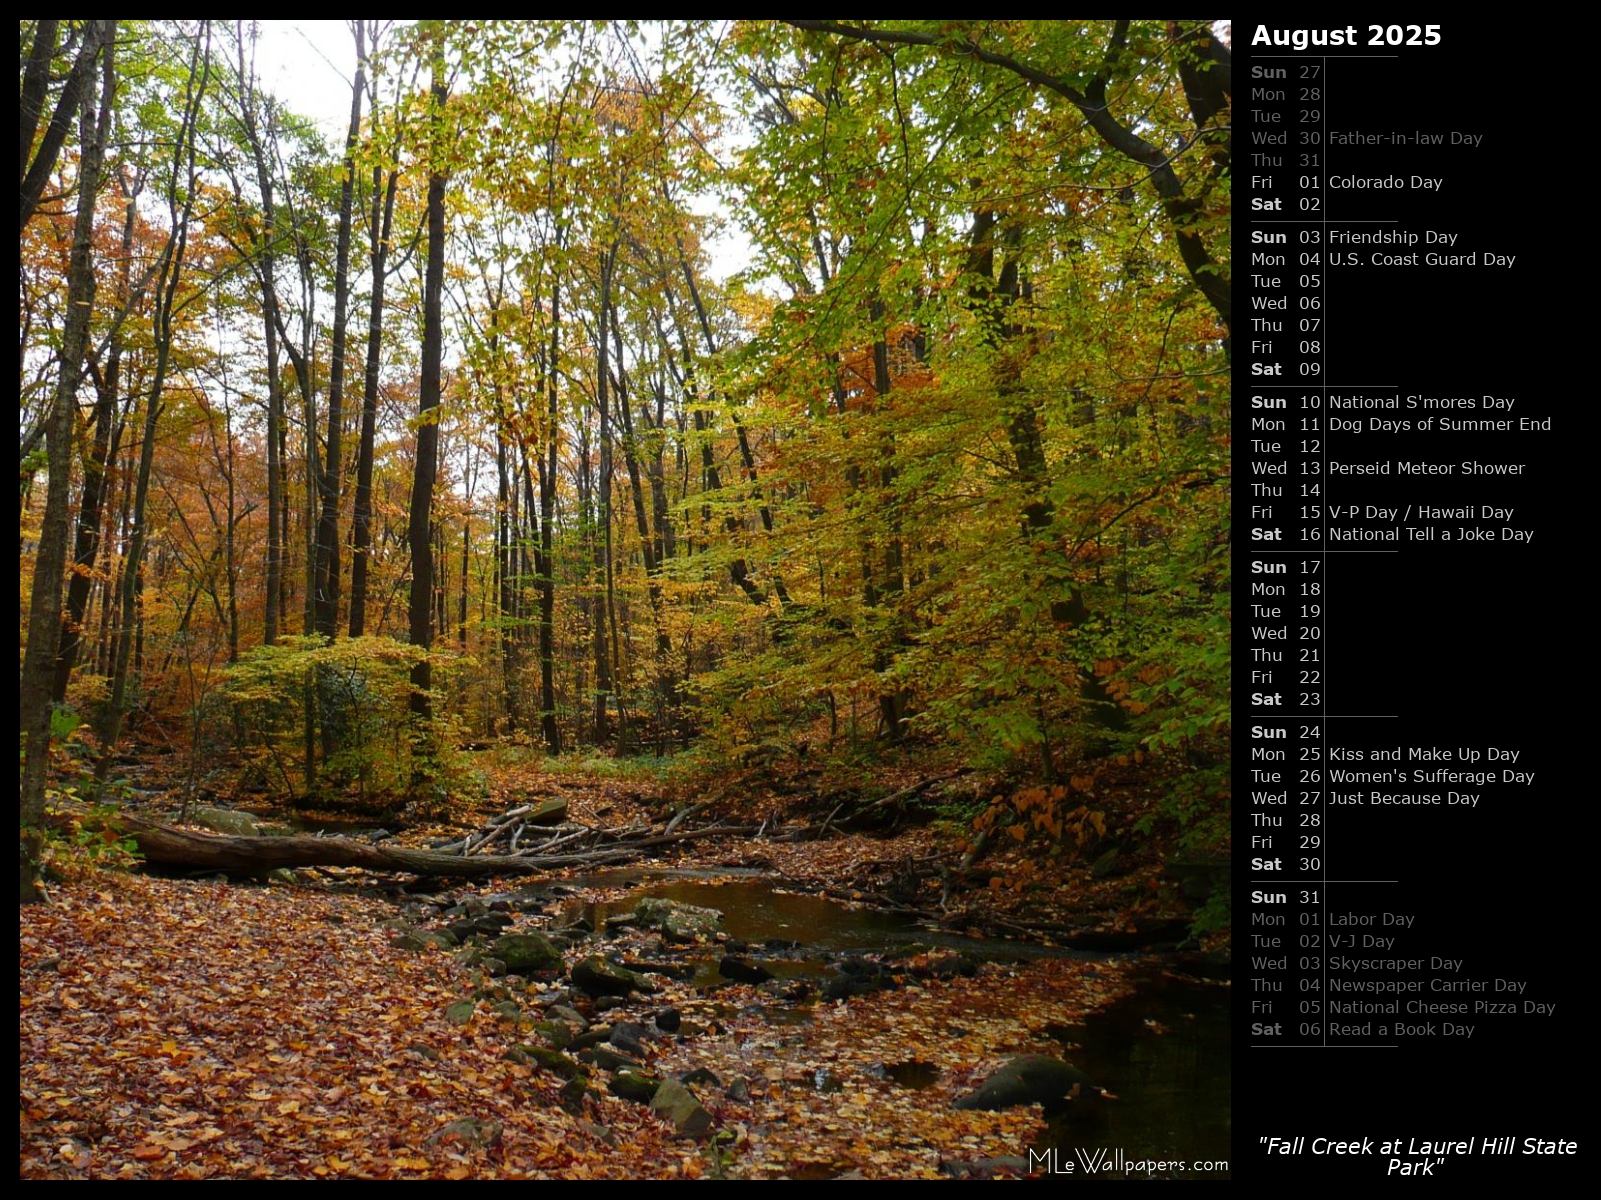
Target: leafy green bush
x=345, y=706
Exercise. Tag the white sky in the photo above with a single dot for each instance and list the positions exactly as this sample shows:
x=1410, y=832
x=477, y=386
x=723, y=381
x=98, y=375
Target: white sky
x=309, y=65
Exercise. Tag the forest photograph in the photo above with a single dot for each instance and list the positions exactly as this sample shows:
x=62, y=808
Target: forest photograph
x=625, y=599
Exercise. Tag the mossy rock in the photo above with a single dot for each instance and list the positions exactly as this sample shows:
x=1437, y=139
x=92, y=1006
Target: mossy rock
x=600, y=978
x=638, y=1086
x=550, y=1060
x=526, y=953
x=677, y=1104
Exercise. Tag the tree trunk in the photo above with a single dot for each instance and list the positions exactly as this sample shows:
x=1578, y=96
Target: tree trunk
x=607, y=664
x=182, y=181
x=75, y=95
x=422, y=486
x=544, y=560
x=361, y=532
x=171, y=846
x=86, y=544
x=276, y=529
x=891, y=704
x=738, y=570
x=649, y=542
x=44, y=615
x=327, y=598
x=506, y=590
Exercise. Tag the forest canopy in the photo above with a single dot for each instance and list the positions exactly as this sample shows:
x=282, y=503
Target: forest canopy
x=738, y=389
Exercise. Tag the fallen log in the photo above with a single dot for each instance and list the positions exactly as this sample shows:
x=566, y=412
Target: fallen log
x=173, y=847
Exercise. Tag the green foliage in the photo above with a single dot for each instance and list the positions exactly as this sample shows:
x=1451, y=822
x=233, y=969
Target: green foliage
x=1216, y=914
x=64, y=721
x=357, y=693
x=721, y=1152
x=93, y=841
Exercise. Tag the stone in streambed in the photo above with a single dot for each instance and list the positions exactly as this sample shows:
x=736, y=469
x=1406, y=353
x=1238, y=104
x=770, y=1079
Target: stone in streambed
x=676, y=1103
x=553, y=1061
x=678, y=922
x=743, y=971
x=600, y=978
x=637, y=1086
x=561, y=1012
x=628, y=1036
x=526, y=953
x=1031, y=1079
x=466, y=928
x=605, y=1057
x=556, y=1034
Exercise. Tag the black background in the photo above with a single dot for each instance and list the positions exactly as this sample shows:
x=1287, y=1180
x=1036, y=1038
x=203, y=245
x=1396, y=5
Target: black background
x=1482, y=644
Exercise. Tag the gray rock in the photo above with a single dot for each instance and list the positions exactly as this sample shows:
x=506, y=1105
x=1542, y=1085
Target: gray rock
x=605, y=1057
x=637, y=1086
x=743, y=971
x=526, y=953
x=1030, y=1079
x=548, y=812
x=561, y=1012
x=553, y=1061
x=573, y=1092
x=628, y=1036
x=224, y=820
x=676, y=1103
x=678, y=922
x=459, y=1013
x=556, y=1034
x=600, y=978
x=466, y=928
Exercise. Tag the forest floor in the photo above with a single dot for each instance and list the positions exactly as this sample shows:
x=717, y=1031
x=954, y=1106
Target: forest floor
x=330, y=1027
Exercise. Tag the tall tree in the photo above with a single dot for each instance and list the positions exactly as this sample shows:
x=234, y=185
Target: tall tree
x=380, y=226
x=44, y=616
x=102, y=450
x=181, y=194
x=327, y=603
x=433, y=340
